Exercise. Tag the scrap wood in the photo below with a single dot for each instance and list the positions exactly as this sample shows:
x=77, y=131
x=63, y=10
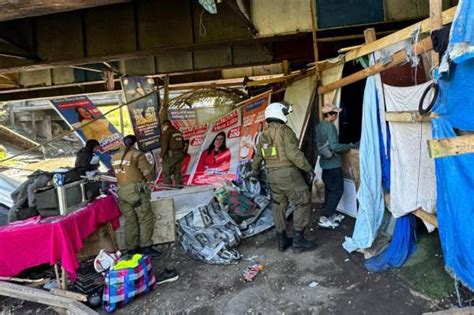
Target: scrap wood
x=69, y=294
x=403, y=34
x=427, y=217
x=397, y=59
x=454, y=311
x=409, y=117
x=40, y=296
x=439, y=148
x=21, y=280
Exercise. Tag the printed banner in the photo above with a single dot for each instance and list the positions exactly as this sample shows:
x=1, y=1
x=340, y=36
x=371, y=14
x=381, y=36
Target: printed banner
x=182, y=118
x=253, y=122
x=193, y=140
x=218, y=160
x=144, y=112
x=81, y=113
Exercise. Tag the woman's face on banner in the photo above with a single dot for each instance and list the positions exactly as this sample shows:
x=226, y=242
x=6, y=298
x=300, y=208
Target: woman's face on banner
x=218, y=142
x=84, y=113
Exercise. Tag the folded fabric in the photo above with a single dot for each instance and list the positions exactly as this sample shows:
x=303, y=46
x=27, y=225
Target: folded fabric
x=128, y=263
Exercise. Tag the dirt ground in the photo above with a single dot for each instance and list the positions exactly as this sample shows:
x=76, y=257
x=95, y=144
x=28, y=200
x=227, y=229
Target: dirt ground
x=343, y=284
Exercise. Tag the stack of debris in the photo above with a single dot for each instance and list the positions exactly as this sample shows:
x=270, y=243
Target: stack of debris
x=212, y=233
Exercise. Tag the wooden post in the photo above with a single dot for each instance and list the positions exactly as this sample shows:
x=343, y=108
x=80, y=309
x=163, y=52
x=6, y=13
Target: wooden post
x=369, y=35
x=58, y=278
x=33, y=123
x=46, y=127
x=111, y=233
x=122, y=128
x=12, y=116
x=63, y=279
x=314, y=25
x=166, y=95
x=313, y=29
x=436, y=10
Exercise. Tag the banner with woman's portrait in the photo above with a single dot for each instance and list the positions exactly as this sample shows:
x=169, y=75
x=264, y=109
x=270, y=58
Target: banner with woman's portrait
x=219, y=157
x=253, y=122
x=144, y=111
x=82, y=114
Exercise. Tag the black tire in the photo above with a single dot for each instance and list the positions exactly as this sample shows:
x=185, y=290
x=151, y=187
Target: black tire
x=427, y=110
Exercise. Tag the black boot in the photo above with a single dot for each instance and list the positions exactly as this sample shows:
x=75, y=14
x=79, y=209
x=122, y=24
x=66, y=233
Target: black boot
x=150, y=251
x=283, y=241
x=301, y=244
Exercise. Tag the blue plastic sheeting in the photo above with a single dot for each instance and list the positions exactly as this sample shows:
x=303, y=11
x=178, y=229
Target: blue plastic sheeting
x=401, y=247
x=384, y=155
x=461, y=42
x=370, y=194
x=455, y=174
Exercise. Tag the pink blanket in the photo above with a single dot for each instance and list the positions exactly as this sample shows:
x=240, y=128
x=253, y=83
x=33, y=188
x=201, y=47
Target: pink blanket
x=33, y=242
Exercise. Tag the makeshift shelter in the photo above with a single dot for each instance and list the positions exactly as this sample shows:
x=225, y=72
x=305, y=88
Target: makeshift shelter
x=397, y=156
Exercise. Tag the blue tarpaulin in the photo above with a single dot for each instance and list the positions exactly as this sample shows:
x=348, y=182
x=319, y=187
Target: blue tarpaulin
x=455, y=174
x=461, y=41
x=370, y=194
x=401, y=247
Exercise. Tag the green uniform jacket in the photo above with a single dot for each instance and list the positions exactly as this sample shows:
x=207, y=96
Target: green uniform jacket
x=290, y=149
x=327, y=132
x=171, y=140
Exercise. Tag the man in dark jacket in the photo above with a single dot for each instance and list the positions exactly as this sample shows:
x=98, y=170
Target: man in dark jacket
x=86, y=160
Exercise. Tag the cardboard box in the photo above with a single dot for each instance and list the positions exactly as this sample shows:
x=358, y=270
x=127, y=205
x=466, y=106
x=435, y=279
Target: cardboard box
x=350, y=166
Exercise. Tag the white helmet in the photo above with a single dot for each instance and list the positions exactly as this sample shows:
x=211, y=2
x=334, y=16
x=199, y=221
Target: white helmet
x=278, y=111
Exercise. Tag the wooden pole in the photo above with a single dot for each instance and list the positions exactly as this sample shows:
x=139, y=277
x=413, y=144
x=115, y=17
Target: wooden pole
x=122, y=128
x=313, y=29
x=400, y=57
x=166, y=96
x=436, y=10
x=369, y=35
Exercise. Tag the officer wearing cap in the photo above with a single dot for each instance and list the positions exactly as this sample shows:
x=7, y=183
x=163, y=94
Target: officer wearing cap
x=329, y=148
x=133, y=170
x=172, y=153
x=278, y=147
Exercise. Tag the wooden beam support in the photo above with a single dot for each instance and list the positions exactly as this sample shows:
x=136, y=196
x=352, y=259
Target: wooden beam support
x=40, y=296
x=439, y=148
x=400, y=57
x=399, y=36
x=408, y=117
x=315, y=38
x=346, y=49
x=427, y=217
x=436, y=9
x=295, y=76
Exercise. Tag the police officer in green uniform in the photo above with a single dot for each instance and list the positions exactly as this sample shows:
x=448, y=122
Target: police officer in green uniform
x=133, y=170
x=172, y=153
x=278, y=146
